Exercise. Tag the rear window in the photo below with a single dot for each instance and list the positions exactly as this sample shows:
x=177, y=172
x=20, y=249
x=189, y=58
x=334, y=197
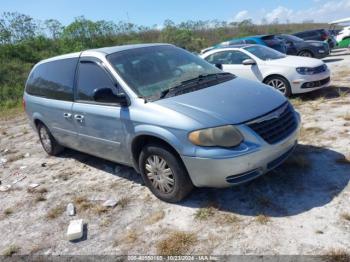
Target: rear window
x=53, y=80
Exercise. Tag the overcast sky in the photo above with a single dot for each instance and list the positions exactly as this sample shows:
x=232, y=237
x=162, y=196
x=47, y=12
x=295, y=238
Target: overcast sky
x=151, y=12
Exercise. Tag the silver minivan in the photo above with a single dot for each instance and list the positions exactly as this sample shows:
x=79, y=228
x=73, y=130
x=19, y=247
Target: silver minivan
x=178, y=120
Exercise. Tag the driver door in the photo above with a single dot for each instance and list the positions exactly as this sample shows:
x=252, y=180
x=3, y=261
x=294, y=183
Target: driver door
x=100, y=126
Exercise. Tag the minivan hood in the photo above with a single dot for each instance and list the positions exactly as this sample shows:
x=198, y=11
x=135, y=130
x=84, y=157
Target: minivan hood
x=295, y=61
x=231, y=102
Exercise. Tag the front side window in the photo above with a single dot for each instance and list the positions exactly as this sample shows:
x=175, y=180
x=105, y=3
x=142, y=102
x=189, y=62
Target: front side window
x=227, y=58
x=53, y=80
x=151, y=70
x=264, y=53
x=92, y=77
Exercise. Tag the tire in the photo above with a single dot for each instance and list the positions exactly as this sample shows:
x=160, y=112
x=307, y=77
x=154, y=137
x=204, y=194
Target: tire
x=48, y=142
x=306, y=53
x=177, y=184
x=275, y=82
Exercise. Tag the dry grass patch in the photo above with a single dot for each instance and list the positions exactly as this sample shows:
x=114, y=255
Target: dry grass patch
x=11, y=250
x=8, y=211
x=130, y=237
x=85, y=205
x=262, y=219
x=204, y=213
x=308, y=132
x=55, y=212
x=123, y=202
x=40, y=198
x=155, y=217
x=345, y=216
x=347, y=117
x=296, y=101
x=229, y=219
x=14, y=158
x=177, y=243
x=337, y=255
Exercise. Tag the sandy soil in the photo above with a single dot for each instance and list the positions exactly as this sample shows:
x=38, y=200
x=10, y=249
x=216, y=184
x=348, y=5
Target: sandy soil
x=303, y=207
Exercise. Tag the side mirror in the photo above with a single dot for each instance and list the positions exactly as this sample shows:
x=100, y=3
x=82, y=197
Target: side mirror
x=106, y=95
x=249, y=62
x=219, y=66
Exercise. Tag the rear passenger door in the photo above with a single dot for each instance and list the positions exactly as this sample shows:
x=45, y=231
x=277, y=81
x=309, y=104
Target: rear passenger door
x=50, y=87
x=100, y=129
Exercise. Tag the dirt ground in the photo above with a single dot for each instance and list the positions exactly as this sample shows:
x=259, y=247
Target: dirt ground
x=303, y=207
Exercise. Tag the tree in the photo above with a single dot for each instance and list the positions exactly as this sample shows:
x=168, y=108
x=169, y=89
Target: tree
x=54, y=28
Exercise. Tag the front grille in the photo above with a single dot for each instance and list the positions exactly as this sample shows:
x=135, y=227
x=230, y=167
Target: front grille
x=277, y=125
x=316, y=83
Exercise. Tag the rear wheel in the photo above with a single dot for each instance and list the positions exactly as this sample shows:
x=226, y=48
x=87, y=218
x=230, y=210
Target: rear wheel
x=280, y=83
x=48, y=142
x=164, y=173
x=306, y=53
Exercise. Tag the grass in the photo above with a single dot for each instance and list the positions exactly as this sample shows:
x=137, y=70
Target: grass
x=347, y=117
x=123, y=202
x=262, y=219
x=155, y=217
x=345, y=160
x=40, y=198
x=85, y=205
x=346, y=216
x=130, y=237
x=15, y=158
x=229, y=219
x=177, y=243
x=320, y=232
x=55, y=212
x=8, y=211
x=204, y=213
x=342, y=93
x=337, y=255
x=308, y=132
x=11, y=250
x=297, y=101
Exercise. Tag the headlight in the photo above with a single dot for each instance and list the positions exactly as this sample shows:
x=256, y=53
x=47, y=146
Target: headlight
x=305, y=70
x=223, y=136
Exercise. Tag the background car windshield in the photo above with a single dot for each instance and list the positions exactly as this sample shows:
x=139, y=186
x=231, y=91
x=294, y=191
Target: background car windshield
x=264, y=53
x=150, y=70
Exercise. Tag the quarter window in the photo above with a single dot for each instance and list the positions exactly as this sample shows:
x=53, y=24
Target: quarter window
x=227, y=58
x=53, y=80
x=92, y=77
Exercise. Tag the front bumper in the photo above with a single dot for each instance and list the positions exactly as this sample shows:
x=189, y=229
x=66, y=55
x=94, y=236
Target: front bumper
x=298, y=82
x=254, y=161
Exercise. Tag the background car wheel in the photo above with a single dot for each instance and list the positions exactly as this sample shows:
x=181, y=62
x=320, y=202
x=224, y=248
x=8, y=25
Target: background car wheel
x=280, y=83
x=306, y=54
x=164, y=173
x=48, y=142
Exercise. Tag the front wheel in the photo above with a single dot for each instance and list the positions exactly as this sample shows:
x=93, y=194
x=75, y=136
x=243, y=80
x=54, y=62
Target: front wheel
x=306, y=54
x=279, y=83
x=164, y=173
x=49, y=143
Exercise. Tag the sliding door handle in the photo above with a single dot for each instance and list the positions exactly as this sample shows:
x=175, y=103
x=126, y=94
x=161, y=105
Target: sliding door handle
x=79, y=118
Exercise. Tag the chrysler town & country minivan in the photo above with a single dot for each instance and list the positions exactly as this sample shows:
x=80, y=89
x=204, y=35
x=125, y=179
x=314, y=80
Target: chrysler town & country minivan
x=178, y=120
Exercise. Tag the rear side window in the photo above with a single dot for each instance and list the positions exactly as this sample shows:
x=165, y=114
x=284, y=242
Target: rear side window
x=53, y=80
x=92, y=77
x=227, y=57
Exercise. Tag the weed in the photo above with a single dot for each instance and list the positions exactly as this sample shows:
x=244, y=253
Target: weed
x=123, y=202
x=346, y=216
x=155, y=217
x=204, y=213
x=11, y=250
x=177, y=243
x=262, y=219
x=55, y=212
x=337, y=255
x=8, y=211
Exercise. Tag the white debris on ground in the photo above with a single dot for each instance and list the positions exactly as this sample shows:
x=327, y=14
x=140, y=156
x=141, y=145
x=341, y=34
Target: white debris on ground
x=303, y=207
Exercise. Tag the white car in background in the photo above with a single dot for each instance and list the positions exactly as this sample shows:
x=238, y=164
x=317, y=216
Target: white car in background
x=343, y=34
x=288, y=74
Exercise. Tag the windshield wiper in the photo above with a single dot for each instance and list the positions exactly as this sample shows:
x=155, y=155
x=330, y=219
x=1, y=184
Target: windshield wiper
x=190, y=82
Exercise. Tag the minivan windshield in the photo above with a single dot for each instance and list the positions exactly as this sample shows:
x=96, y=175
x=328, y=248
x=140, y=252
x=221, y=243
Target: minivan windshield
x=264, y=53
x=151, y=71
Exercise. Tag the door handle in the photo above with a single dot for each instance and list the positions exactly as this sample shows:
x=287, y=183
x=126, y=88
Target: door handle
x=79, y=118
x=67, y=115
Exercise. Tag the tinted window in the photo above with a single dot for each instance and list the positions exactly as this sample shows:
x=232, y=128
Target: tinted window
x=264, y=53
x=92, y=77
x=249, y=41
x=53, y=80
x=227, y=57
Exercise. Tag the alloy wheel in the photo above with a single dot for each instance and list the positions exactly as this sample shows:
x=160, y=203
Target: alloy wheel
x=278, y=84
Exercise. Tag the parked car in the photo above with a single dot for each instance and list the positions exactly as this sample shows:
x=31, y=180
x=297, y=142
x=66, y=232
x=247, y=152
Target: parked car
x=317, y=35
x=300, y=47
x=266, y=40
x=288, y=74
x=343, y=34
x=178, y=120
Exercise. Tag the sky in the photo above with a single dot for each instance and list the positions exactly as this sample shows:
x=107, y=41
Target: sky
x=154, y=12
